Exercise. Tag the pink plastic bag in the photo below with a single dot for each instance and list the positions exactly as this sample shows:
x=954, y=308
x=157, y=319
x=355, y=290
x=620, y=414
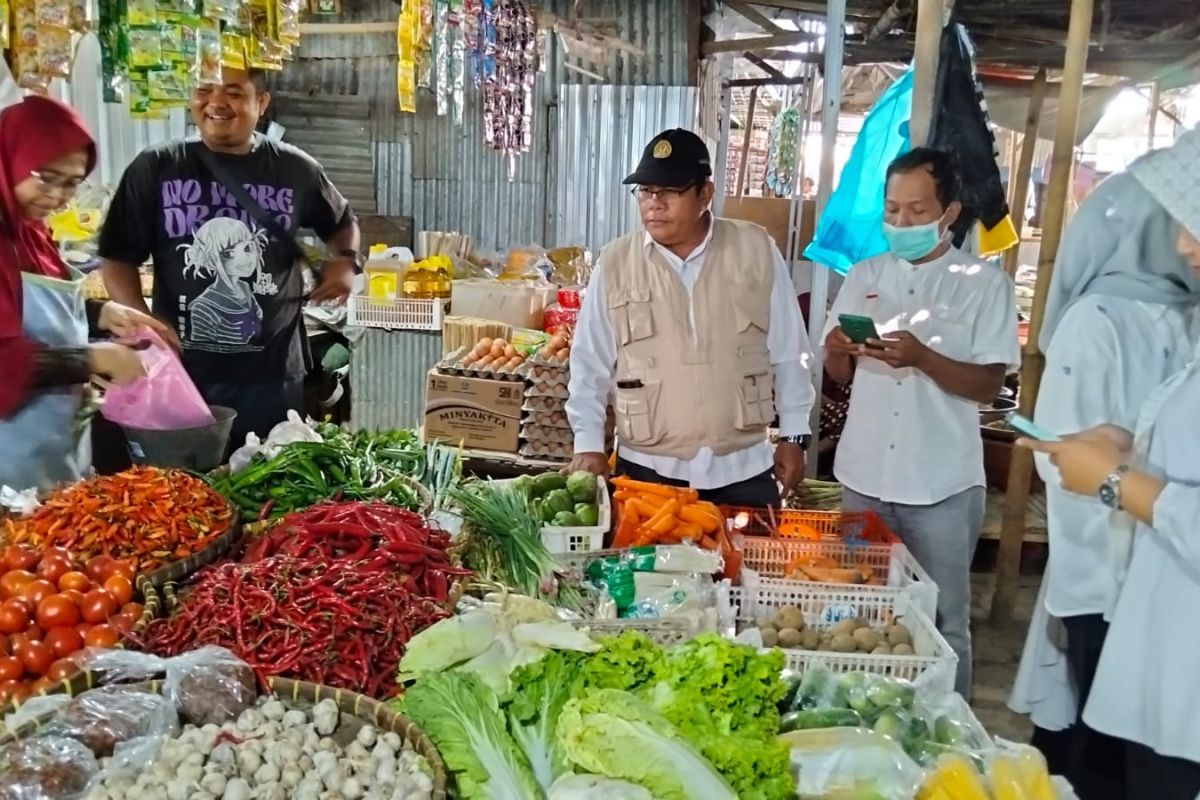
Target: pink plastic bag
x=165, y=400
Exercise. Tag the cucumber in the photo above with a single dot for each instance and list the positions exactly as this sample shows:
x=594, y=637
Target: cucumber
x=547, y=482
x=819, y=718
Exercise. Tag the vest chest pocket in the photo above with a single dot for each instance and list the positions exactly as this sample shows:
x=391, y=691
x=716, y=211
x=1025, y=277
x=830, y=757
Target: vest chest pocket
x=637, y=414
x=632, y=316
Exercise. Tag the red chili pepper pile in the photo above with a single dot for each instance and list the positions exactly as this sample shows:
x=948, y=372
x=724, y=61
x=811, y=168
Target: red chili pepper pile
x=332, y=596
x=381, y=535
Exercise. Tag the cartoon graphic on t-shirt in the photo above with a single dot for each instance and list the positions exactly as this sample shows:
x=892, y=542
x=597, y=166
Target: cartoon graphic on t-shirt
x=226, y=317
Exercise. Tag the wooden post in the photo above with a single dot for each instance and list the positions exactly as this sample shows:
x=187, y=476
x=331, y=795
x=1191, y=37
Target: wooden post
x=719, y=176
x=1024, y=168
x=747, y=135
x=930, y=15
x=831, y=110
x=1012, y=535
x=1155, y=101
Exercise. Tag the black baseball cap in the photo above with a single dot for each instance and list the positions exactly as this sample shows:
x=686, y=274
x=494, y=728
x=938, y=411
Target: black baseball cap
x=674, y=159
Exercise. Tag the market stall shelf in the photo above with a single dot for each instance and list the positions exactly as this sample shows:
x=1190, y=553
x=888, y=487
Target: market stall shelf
x=793, y=523
x=932, y=662
x=401, y=314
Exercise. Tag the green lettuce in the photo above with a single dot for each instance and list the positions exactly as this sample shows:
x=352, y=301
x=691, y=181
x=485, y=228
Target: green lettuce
x=614, y=734
x=462, y=717
x=539, y=692
x=629, y=661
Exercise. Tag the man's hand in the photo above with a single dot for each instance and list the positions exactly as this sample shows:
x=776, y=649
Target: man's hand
x=790, y=463
x=839, y=344
x=1085, y=460
x=124, y=322
x=337, y=281
x=595, y=463
x=115, y=362
x=901, y=349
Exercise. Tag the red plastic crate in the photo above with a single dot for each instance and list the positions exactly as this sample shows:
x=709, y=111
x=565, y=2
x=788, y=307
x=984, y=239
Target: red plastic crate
x=791, y=523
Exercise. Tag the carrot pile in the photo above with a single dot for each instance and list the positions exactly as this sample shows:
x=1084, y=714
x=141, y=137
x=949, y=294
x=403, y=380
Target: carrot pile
x=654, y=514
x=147, y=515
x=824, y=569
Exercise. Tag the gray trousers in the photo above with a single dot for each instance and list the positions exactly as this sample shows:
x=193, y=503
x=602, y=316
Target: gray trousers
x=942, y=537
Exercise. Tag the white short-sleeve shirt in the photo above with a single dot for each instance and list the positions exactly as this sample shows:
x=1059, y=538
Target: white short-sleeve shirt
x=907, y=440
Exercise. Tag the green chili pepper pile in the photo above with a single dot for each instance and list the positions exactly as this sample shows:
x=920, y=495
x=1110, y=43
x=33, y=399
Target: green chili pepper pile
x=350, y=466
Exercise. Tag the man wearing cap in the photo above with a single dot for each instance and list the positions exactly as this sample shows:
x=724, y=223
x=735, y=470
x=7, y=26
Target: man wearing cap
x=692, y=329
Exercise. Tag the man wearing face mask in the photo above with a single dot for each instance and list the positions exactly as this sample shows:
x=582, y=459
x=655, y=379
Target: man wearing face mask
x=911, y=449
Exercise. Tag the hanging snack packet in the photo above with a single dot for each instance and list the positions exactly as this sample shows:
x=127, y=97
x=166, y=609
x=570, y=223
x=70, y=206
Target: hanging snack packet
x=53, y=13
x=54, y=51
x=168, y=87
x=233, y=50
x=25, y=23
x=5, y=28
x=141, y=12
x=145, y=47
x=209, y=44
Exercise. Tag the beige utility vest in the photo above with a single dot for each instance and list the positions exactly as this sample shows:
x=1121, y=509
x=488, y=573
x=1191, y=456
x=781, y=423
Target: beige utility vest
x=692, y=371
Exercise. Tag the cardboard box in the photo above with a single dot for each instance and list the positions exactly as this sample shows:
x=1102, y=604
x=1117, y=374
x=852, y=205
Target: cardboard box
x=479, y=413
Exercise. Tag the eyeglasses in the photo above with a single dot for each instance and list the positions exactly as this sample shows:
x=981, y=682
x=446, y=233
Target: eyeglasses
x=645, y=195
x=49, y=182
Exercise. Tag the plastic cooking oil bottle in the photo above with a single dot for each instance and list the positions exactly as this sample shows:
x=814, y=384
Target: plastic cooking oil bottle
x=384, y=270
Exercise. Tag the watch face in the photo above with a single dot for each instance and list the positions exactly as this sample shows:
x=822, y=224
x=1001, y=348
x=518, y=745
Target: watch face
x=1108, y=495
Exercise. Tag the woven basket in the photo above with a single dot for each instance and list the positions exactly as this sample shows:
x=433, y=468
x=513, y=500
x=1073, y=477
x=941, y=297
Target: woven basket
x=356, y=710
x=83, y=680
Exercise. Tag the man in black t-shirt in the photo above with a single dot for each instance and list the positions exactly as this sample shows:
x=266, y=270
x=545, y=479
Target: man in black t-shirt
x=229, y=287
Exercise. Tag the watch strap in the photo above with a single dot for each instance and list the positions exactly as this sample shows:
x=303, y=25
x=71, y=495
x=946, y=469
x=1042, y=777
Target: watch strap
x=804, y=441
x=1110, y=490
x=356, y=257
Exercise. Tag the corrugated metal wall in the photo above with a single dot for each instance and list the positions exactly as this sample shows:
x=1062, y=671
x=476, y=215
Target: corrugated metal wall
x=601, y=133
x=443, y=175
x=387, y=378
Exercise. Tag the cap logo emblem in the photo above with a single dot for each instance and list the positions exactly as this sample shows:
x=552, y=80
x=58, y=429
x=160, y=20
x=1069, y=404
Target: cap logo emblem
x=662, y=149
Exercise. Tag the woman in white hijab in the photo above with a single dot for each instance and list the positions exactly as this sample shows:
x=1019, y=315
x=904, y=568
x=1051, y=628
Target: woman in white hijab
x=1118, y=323
x=1145, y=689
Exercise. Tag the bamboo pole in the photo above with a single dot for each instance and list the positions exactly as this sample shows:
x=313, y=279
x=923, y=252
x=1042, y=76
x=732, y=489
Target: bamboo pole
x=1155, y=102
x=1012, y=534
x=747, y=135
x=926, y=51
x=1024, y=168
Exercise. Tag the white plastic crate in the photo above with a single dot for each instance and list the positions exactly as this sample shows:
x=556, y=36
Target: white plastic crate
x=933, y=663
x=580, y=539
x=894, y=563
x=403, y=313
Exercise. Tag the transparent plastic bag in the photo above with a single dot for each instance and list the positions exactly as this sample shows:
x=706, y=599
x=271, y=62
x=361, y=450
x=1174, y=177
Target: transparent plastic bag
x=210, y=685
x=46, y=768
x=851, y=762
x=104, y=717
x=166, y=399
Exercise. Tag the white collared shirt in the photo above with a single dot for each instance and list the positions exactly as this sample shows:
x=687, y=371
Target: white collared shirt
x=593, y=369
x=1107, y=356
x=906, y=439
x=1145, y=686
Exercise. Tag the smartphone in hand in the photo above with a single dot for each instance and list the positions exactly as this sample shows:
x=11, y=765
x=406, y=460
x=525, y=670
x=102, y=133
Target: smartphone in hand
x=1027, y=427
x=859, y=329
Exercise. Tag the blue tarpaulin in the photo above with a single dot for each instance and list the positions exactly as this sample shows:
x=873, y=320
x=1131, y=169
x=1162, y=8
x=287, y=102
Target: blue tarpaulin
x=851, y=228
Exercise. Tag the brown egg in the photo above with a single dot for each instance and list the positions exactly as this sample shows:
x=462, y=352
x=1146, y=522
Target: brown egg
x=486, y=361
x=515, y=362
x=509, y=351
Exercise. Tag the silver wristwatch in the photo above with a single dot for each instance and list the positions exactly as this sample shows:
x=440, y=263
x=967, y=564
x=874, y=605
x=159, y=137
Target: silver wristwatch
x=1110, y=490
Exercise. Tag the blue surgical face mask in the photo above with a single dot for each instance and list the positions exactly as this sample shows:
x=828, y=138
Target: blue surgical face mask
x=914, y=242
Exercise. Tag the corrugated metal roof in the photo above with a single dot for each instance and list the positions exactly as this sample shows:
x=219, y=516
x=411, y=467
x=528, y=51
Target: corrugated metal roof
x=602, y=131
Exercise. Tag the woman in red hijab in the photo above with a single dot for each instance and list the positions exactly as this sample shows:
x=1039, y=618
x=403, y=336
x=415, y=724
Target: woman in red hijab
x=45, y=153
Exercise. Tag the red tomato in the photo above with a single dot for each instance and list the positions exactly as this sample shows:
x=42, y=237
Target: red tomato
x=59, y=553
x=84, y=627
x=122, y=622
x=42, y=685
x=75, y=580
x=39, y=590
x=13, y=581
x=98, y=568
x=64, y=641
x=13, y=617
x=13, y=690
x=18, y=556
x=5, y=645
x=62, y=669
x=126, y=568
x=11, y=668
x=37, y=658
x=53, y=568
x=76, y=596
x=120, y=587
x=98, y=606
x=33, y=632
x=134, y=611
x=102, y=636
x=57, y=611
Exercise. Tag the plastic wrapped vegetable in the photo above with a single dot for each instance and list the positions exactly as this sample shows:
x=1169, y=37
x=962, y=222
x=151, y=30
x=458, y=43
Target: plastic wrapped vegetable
x=45, y=768
x=851, y=762
x=108, y=716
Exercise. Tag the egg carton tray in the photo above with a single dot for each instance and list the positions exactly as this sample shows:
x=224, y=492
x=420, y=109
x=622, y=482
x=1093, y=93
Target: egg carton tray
x=548, y=403
x=556, y=418
x=453, y=365
x=932, y=664
x=542, y=436
x=548, y=452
